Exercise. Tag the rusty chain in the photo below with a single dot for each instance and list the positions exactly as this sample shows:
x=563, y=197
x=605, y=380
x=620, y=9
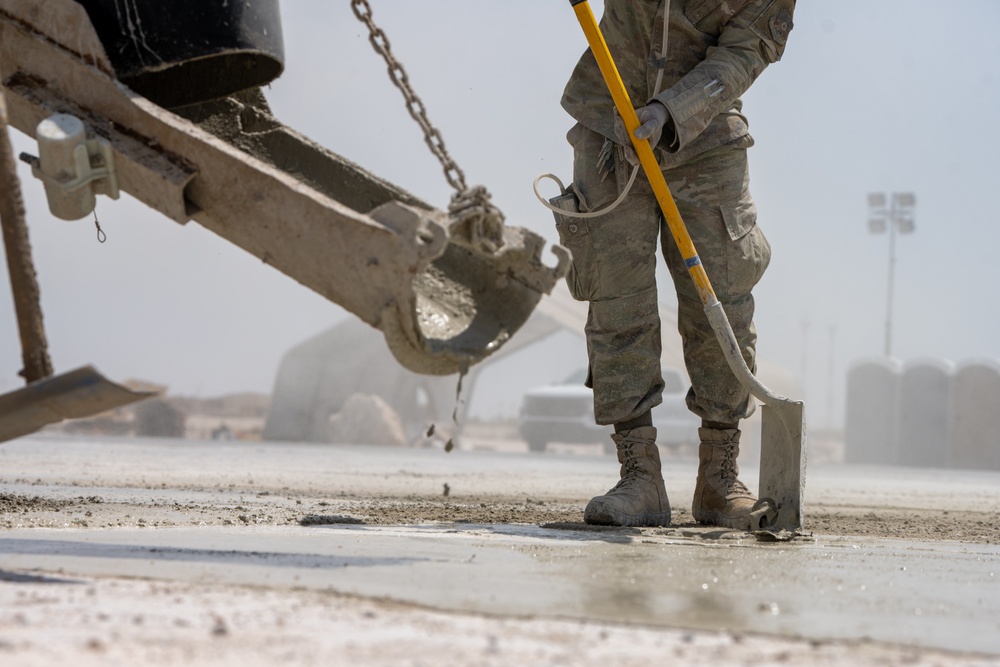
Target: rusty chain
x=414, y=104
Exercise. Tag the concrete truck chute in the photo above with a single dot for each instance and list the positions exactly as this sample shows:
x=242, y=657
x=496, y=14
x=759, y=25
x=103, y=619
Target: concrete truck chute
x=442, y=297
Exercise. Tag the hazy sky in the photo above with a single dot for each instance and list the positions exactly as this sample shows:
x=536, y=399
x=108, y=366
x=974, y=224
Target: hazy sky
x=871, y=96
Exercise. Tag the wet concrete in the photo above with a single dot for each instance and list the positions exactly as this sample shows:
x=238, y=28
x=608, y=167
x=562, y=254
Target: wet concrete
x=932, y=594
x=941, y=595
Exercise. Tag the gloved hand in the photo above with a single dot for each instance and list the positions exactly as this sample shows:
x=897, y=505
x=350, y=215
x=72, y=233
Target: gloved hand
x=652, y=118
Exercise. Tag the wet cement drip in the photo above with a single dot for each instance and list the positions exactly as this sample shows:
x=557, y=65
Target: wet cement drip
x=432, y=429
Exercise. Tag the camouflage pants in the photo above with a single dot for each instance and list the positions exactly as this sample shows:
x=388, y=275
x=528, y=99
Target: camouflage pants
x=614, y=268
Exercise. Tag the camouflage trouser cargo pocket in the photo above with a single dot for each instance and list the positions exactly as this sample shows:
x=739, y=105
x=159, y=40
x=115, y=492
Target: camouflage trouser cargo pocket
x=574, y=234
x=749, y=254
x=714, y=200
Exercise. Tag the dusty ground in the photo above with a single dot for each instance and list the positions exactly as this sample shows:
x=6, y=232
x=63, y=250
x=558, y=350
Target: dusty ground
x=256, y=507
x=106, y=621
x=18, y=511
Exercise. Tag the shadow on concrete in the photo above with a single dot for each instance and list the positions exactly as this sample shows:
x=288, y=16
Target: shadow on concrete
x=216, y=556
x=330, y=520
x=20, y=578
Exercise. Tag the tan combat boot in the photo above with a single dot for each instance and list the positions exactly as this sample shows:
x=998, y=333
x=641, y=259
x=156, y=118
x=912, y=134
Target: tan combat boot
x=720, y=498
x=639, y=499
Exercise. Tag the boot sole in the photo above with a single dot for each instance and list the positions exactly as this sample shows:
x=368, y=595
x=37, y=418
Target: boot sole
x=717, y=518
x=644, y=519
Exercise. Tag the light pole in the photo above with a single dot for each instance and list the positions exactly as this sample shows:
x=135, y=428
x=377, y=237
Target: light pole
x=895, y=214
x=830, y=381
x=805, y=357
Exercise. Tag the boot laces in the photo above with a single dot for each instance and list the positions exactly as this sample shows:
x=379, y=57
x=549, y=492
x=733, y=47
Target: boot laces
x=632, y=471
x=730, y=474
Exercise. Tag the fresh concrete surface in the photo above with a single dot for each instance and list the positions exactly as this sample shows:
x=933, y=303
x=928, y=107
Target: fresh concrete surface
x=284, y=522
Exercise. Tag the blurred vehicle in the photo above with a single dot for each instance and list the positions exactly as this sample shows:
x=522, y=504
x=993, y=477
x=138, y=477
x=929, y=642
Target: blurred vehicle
x=564, y=412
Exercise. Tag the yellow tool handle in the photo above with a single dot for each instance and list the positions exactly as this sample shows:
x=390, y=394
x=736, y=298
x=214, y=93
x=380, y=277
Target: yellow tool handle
x=645, y=152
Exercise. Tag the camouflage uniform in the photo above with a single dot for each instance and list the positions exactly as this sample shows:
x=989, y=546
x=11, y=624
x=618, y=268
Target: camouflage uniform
x=717, y=48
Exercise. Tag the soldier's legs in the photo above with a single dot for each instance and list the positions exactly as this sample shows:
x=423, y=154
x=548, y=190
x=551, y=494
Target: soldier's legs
x=614, y=269
x=713, y=197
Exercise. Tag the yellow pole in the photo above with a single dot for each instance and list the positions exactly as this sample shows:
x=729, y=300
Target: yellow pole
x=645, y=152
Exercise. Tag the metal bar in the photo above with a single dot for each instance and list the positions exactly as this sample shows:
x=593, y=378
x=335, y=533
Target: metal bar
x=893, y=222
x=24, y=284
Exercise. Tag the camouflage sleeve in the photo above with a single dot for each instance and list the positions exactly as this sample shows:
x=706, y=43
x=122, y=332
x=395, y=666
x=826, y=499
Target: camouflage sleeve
x=748, y=42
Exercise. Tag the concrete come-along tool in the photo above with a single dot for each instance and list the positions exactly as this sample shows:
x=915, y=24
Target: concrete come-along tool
x=783, y=428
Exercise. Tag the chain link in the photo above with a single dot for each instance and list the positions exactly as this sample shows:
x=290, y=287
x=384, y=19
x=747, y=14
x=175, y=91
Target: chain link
x=432, y=137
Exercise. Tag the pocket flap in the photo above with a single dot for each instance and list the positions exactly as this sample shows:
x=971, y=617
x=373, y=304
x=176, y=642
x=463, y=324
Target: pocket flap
x=740, y=216
x=699, y=10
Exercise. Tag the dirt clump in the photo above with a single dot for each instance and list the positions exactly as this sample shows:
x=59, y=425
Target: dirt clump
x=12, y=502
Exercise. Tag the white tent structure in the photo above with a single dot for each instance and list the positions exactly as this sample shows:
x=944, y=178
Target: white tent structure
x=317, y=377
